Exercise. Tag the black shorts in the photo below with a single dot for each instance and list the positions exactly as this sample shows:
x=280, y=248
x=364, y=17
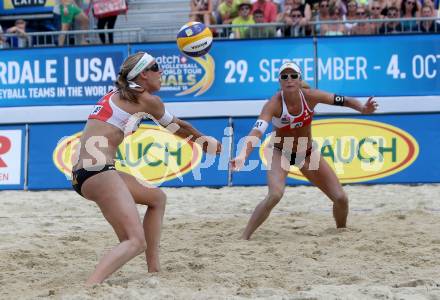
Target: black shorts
x=81, y=175
x=293, y=154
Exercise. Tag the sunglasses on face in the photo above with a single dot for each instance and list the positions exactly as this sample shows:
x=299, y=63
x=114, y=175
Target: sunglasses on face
x=360, y=13
x=410, y=2
x=154, y=68
x=375, y=7
x=293, y=76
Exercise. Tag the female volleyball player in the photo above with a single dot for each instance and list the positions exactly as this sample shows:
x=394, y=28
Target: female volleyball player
x=94, y=175
x=291, y=113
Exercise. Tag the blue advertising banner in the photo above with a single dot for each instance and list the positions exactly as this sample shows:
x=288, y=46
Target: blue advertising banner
x=12, y=157
x=361, y=149
x=151, y=154
x=380, y=65
x=15, y=7
x=75, y=75
x=233, y=70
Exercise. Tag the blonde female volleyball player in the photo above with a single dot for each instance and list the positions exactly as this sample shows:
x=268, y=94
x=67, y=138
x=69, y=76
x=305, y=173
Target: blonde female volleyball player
x=95, y=178
x=291, y=113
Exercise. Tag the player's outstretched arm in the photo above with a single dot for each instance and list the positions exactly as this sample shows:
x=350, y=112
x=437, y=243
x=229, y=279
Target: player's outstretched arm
x=368, y=107
x=181, y=128
x=254, y=136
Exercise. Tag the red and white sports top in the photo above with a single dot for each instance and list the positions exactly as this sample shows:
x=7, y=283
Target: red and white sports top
x=287, y=121
x=105, y=110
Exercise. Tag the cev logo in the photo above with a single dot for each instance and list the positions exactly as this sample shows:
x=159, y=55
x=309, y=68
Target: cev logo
x=359, y=150
x=151, y=154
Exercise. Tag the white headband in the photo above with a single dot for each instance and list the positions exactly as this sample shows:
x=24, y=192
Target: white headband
x=290, y=65
x=145, y=60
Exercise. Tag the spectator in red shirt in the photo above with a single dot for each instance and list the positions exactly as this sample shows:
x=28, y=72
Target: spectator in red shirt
x=268, y=8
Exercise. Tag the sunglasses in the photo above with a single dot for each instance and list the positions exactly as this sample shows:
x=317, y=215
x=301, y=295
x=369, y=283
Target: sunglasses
x=293, y=76
x=375, y=7
x=410, y=2
x=154, y=68
x=360, y=13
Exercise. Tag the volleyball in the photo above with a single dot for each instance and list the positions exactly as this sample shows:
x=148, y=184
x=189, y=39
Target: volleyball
x=194, y=39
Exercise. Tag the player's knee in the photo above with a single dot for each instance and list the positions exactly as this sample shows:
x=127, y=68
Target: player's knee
x=138, y=243
x=274, y=197
x=160, y=200
x=341, y=199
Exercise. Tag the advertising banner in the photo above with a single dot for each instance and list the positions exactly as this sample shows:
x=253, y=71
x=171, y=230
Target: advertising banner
x=373, y=149
x=16, y=7
x=12, y=153
x=380, y=65
x=383, y=66
x=233, y=70
x=71, y=76
x=151, y=154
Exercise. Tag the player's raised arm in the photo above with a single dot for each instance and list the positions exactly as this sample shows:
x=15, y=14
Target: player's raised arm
x=368, y=107
x=254, y=135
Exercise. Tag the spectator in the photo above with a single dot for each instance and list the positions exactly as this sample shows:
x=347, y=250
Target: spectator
x=432, y=5
x=294, y=25
x=394, y=26
x=375, y=14
x=268, y=8
x=227, y=11
x=362, y=28
x=323, y=15
x=385, y=4
x=70, y=12
x=261, y=32
x=56, y=21
x=2, y=39
x=201, y=11
x=20, y=40
x=427, y=26
x=110, y=21
x=409, y=10
x=333, y=29
x=352, y=7
x=244, y=18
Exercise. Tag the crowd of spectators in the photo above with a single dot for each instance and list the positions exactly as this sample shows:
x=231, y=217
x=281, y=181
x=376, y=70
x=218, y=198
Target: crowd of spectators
x=308, y=17
x=291, y=18
x=66, y=15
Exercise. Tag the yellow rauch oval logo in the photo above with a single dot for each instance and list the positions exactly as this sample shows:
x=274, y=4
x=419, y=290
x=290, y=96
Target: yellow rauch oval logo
x=152, y=154
x=359, y=150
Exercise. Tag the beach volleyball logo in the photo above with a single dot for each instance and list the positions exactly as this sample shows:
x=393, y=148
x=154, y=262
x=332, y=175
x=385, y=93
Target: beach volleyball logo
x=183, y=75
x=194, y=39
x=358, y=150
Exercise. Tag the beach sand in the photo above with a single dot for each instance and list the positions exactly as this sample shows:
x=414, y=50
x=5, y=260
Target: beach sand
x=50, y=242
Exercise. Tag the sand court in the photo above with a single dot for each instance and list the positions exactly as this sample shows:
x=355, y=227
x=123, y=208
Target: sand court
x=51, y=241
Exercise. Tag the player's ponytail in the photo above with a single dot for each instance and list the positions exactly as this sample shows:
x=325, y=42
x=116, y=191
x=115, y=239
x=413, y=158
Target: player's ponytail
x=129, y=90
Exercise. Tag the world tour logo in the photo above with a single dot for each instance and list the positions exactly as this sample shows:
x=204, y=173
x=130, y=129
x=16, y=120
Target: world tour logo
x=151, y=154
x=185, y=76
x=358, y=150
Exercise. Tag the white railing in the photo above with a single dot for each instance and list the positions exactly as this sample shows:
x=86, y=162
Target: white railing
x=261, y=30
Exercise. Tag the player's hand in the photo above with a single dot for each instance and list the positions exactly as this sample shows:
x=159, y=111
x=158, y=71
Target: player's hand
x=370, y=106
x=210, y=145
x=237, y=163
